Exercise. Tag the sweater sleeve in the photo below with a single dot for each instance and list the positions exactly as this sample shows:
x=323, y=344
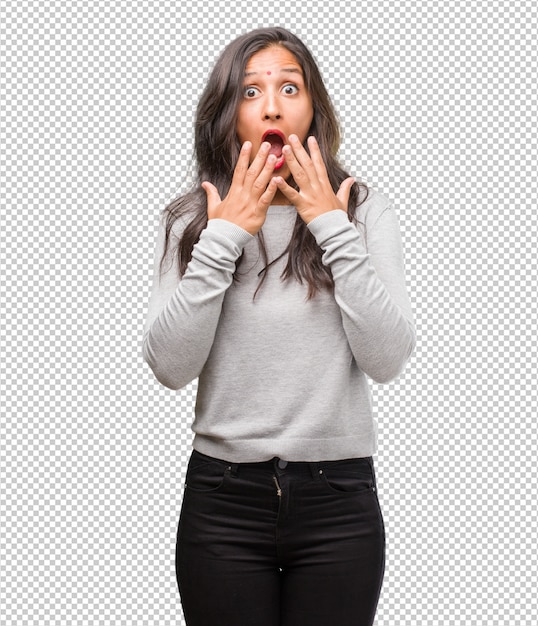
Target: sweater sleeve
x=183, y=313
x=369, y=283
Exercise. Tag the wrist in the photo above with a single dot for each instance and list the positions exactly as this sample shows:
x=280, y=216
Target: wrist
x=309, y=216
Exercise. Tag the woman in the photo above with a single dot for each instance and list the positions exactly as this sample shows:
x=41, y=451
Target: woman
x=279, y=283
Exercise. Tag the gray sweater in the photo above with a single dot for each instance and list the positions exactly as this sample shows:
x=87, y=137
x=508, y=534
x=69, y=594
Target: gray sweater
x=280, y=375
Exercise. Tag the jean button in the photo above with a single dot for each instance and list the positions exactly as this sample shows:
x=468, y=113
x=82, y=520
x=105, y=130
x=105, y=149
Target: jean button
x=282, y=464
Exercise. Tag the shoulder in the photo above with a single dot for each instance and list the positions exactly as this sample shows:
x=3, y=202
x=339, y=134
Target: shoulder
x=176, y=222
x=372, y=208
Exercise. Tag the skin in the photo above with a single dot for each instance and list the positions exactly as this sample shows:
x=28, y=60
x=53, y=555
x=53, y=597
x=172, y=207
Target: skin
x=275, y=97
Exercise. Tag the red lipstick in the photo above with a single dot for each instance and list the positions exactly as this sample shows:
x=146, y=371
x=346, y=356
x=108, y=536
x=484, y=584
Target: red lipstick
x=277, y=139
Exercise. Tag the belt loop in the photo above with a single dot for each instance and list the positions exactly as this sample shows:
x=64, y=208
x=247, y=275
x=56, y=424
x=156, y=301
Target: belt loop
x=371, y=461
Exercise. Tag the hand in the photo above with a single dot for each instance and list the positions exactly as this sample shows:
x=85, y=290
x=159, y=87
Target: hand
x=315, y=195
x=250, y=193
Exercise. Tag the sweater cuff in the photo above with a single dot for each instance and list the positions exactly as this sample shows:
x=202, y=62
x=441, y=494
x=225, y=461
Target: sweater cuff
x=239, y=236
x=329, y=224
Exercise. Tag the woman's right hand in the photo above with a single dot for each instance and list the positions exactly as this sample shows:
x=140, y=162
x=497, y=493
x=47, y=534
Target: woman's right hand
x=250, y=193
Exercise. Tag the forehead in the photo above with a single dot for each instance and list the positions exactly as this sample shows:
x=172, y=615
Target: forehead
x=271, y=60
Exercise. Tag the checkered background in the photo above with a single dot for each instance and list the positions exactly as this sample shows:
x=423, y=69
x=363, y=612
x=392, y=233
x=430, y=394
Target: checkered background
x=438, y=102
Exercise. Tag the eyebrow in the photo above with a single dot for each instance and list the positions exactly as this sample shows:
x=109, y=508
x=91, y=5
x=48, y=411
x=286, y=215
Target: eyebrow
x=288, y=70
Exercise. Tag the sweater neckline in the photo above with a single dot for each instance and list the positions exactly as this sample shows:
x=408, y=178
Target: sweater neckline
x=276, y=209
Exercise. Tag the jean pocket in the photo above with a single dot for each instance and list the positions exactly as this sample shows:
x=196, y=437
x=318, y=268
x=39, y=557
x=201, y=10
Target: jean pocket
x=205, y=475
x=349, y=476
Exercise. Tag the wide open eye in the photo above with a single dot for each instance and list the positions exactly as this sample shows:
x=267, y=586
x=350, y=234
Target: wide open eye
x=290, y=89
x=251, y=92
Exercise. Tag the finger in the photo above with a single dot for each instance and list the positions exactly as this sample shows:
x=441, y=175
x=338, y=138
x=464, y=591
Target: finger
x=291, y=194
x=344, y=190
x=212, y=193
x=260, y=184
x=298, y=173
x=317, y=159
x=302, y=157
x=241, y=167
x=265, y=199
x=258, y=164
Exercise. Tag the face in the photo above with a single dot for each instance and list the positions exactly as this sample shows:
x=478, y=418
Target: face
x=275, y=103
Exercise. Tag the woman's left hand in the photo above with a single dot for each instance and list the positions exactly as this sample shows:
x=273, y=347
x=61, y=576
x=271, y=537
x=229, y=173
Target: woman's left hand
x=315, y=195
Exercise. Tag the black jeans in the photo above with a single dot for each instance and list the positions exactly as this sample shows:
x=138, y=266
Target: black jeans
x=280, y=544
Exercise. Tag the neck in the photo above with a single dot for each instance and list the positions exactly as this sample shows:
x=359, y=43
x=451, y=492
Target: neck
x=280, y=199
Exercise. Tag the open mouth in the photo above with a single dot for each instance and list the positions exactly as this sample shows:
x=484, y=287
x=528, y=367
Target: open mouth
x=277, y=140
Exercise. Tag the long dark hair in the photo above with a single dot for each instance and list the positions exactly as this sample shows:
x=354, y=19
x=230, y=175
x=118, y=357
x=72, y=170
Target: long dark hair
x=217, y=150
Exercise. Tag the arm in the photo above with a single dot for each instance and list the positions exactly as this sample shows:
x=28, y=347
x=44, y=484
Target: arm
x=368, y=275
x=370, y=286
x=183, y=313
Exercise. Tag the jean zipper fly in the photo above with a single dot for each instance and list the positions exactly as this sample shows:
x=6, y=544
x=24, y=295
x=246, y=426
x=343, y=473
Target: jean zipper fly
x=278, y=489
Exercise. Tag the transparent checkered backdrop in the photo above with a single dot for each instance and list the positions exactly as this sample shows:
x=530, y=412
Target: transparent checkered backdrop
x=438, y=103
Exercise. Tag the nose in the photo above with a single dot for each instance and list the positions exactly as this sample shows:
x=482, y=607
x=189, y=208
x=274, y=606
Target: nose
x=271, y=109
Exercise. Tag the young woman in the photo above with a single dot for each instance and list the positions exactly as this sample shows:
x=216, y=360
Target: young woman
x=279, y=284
